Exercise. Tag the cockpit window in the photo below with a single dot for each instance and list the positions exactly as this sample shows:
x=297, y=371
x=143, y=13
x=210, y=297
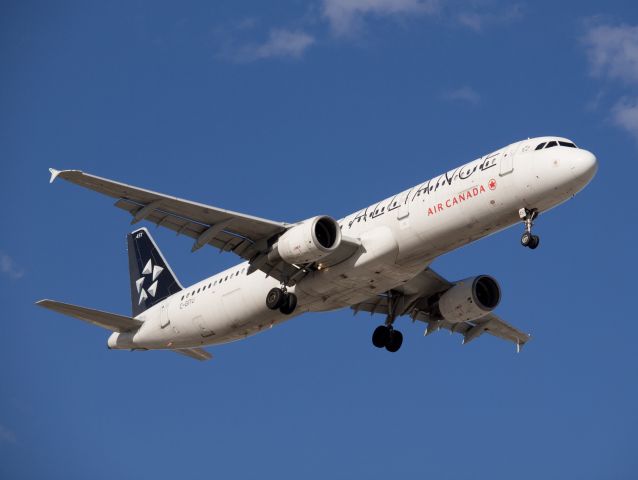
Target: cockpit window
x=567, y=144
x=540, y=146
x=552, y=144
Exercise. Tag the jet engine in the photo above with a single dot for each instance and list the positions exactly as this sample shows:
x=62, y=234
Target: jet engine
x=470, y=299
x=307, y=242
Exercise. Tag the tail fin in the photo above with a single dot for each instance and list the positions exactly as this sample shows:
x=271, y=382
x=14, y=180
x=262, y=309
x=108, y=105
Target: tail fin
x=152, y=279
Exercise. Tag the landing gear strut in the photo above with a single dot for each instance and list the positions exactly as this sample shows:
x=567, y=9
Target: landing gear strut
x=280, y=299
x=385, y=335
x=527, y=239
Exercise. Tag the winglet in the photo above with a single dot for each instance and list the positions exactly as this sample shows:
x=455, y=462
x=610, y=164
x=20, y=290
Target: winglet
x=520, y=344
x=54, y=174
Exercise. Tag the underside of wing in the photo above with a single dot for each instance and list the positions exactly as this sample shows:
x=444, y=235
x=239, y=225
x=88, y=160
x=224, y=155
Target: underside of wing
x=110, y=321
x=417, y=298
x=196, y=353
x=221, y=228
x=247, y=236
x=471, y=330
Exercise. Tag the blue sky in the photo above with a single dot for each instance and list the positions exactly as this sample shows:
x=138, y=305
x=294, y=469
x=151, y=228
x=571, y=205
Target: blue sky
x=289, y=110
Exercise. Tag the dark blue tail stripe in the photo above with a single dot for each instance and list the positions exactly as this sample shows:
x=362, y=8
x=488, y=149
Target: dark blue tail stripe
x=152, y=279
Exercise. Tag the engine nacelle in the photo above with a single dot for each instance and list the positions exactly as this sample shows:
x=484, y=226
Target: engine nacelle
x=308, y=242
x=470, y=299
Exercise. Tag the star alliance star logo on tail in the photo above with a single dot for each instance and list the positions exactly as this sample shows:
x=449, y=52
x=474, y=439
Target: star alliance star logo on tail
x=153, y=271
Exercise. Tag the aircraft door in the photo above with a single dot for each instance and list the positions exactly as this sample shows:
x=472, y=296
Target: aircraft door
x=234, y=306
x=164, y=320
x=401, y=203
x=204, y=331
x=507, y=160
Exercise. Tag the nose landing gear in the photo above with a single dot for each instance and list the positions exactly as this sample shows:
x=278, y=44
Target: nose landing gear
x=528, y=239
x=280, y=299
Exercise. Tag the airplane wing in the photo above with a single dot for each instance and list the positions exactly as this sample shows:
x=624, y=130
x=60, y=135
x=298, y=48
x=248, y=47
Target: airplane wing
x=244, y=235
x=413, y=299
x=196, y=353
x=110, y=321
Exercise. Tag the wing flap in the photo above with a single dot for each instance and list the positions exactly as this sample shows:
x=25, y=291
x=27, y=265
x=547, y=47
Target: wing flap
x=110, y=321
x=223, y=240
x=498, y=327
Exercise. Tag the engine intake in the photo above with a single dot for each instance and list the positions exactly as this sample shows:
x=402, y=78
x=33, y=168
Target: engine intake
x=470, y=299
x=308, y=242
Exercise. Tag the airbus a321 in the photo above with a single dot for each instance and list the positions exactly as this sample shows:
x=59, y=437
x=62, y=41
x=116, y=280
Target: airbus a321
x=375, y=260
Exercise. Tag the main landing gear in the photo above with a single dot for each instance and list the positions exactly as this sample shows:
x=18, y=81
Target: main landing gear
x=527, y=239
x=385, y=335
x=280, y=299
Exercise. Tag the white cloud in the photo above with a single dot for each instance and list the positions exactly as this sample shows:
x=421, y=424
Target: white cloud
x=625, y=115
x=346, y=16
x=281, y=43
x=9, y=267
x=478, y=21
x=6, y=435
x=464, y=94
x=613, y=51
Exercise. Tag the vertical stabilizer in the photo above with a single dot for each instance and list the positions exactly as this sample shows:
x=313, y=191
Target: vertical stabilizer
x=152, y=279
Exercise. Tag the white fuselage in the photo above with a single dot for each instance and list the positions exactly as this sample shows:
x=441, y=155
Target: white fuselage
x=400, y=236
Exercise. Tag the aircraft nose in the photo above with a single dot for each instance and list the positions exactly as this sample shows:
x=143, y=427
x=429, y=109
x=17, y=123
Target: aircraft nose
x=584, y=167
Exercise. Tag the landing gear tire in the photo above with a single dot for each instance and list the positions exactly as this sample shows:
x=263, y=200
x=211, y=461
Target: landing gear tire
x=395, y=341
x=289, y=304
x=530, y=241
x=387, y=337
x=380, y=336
x=535, y=241
x=275, y=298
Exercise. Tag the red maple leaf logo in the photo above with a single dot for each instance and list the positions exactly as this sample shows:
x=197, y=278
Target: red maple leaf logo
x=492, y=184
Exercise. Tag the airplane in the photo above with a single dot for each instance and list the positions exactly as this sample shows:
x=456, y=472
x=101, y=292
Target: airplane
x=375, y=260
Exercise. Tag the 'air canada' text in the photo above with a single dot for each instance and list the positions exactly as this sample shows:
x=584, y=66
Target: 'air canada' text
x=458, y=199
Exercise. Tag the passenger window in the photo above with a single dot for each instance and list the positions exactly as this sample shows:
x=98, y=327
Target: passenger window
x=225, y=279
x=540, y=146
x=209, y=285
x=198, y=290
x=188, y=294
x=567, y=144
x=182, y=297
x=552, y=144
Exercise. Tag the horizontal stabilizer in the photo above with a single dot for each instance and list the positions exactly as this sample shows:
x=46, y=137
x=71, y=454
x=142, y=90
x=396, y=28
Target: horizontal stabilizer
x=196, y=353
x=110, y=321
